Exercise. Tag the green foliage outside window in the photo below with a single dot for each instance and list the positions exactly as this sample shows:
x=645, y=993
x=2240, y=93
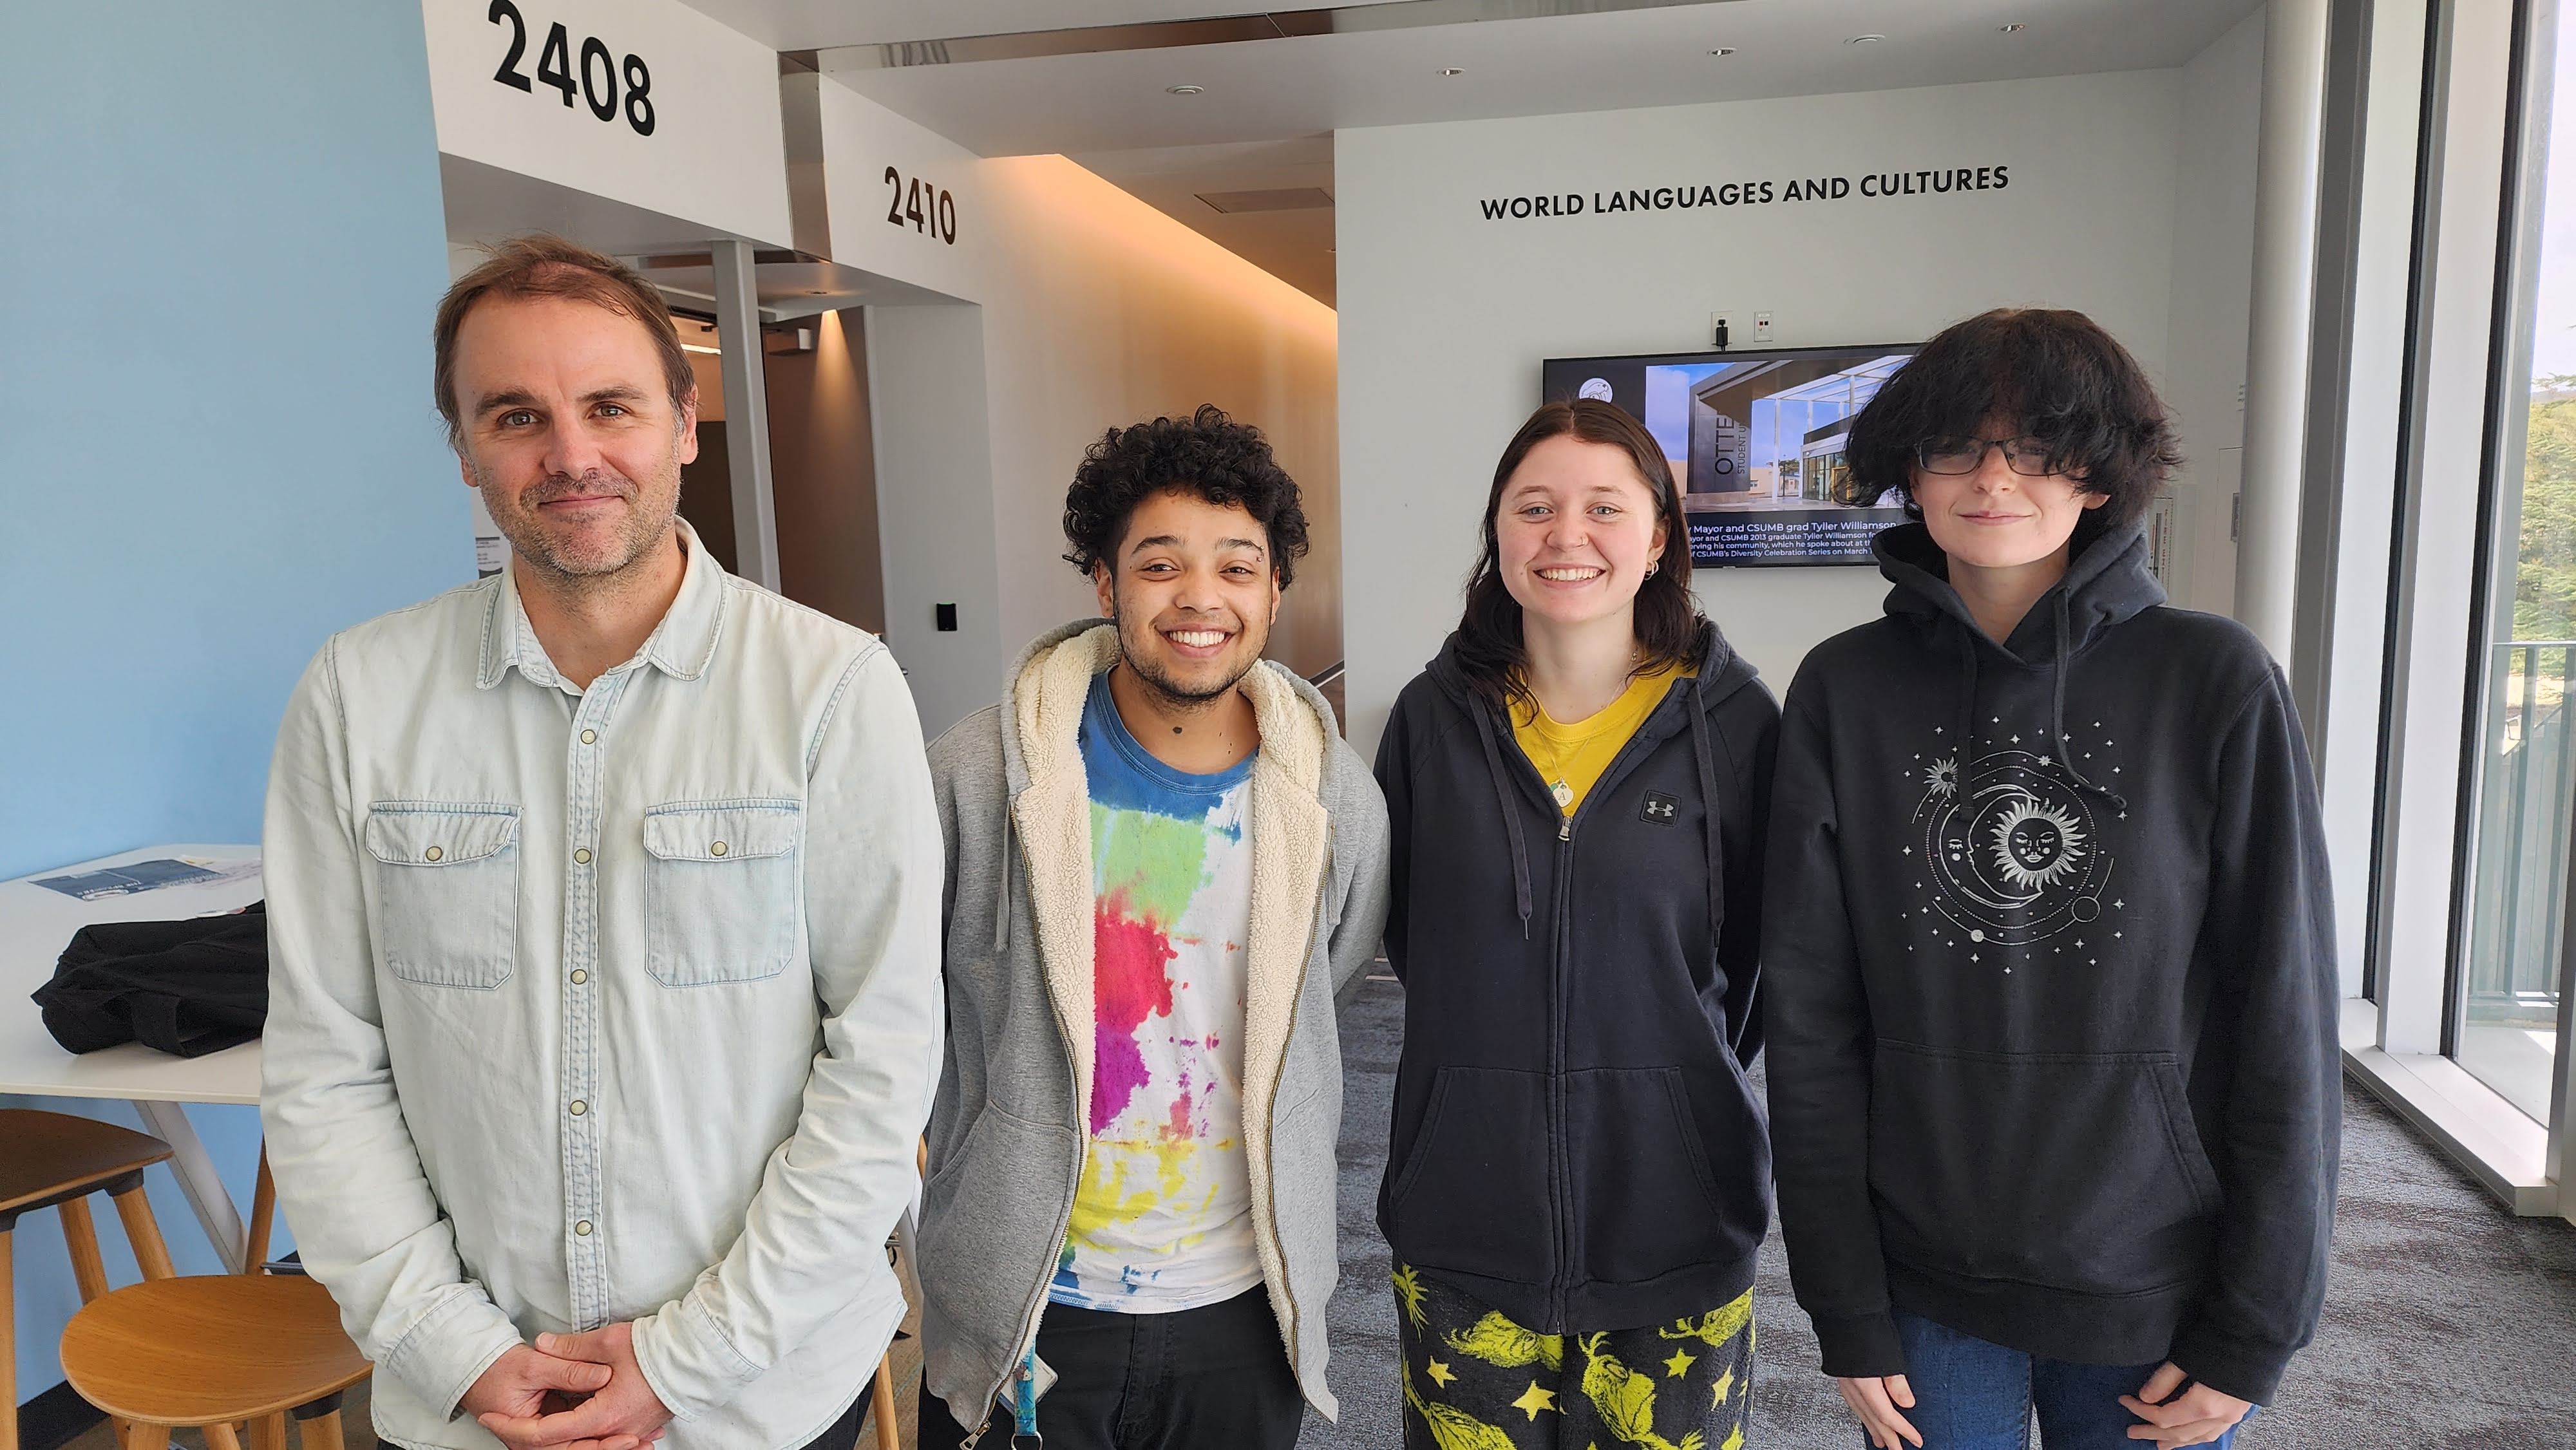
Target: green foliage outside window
x=2544, y=596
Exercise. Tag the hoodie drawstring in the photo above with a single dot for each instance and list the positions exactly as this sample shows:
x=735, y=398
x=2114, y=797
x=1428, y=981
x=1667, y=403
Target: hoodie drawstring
x=1967, y=703
x=1002, y=898
x=2064, y=750
x=2057, y=712
x=1511, y=815
x=1707, y=763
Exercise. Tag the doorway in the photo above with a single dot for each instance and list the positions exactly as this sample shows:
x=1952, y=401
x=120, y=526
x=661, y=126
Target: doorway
x=822, y=461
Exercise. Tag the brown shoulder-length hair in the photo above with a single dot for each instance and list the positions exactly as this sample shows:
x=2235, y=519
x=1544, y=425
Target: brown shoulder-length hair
x=1670, y=629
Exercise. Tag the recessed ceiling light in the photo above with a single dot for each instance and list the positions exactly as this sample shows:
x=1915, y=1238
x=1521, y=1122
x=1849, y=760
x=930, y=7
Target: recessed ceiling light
x=1864, y=39
x=2009, y=29
x=1723, y=50
x=1453, y=70
x=1185, y=90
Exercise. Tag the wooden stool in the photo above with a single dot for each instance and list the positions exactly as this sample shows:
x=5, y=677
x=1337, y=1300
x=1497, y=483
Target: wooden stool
x=55, y=1160
x=213, y=1350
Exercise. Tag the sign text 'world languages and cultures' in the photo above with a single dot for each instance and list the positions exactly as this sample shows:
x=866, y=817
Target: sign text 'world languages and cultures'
x=1717, y=196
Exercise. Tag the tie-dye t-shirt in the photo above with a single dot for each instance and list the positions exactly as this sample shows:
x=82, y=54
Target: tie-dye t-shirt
x=1162, y=1220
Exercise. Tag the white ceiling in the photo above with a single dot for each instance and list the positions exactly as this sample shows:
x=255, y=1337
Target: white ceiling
x=1303, y=86
x=1294, y=246
x=813, y=24
x=1267, y=108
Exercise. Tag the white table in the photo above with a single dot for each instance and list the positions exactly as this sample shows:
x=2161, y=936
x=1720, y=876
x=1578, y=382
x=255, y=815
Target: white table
x=36, y=923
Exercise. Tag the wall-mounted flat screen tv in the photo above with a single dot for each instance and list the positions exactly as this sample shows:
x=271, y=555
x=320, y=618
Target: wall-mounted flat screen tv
x=1755, y=440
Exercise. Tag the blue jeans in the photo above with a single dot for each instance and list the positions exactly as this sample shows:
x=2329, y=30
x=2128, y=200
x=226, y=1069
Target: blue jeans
x=1971, y=1395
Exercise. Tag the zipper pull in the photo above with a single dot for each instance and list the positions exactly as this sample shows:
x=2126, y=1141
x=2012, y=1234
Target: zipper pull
x=1565, y=828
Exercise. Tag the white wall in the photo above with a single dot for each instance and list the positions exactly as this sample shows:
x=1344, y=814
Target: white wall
x=935, y=505
x=2213, y=288
x=1446, y=316
x=1080, y=309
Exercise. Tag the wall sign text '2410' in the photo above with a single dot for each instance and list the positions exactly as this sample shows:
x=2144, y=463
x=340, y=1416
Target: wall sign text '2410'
x=921, y=206
x=597, y=75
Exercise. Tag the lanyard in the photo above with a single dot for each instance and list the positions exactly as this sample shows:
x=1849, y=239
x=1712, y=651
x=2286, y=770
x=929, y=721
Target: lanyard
x=1024, y=1435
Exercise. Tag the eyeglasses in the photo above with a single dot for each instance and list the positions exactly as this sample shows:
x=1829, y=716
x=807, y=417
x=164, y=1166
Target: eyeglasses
x=2026, y=456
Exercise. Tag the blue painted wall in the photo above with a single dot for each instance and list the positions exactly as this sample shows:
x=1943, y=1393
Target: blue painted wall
x=220, y=245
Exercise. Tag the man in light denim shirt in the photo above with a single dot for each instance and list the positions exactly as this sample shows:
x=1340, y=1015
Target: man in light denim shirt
x=604, y=905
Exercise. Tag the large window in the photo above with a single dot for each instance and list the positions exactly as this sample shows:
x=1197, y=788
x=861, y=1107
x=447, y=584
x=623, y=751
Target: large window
x=2506, y=987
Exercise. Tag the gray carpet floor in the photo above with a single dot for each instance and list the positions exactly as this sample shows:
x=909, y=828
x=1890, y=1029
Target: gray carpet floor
x=2449, y=1323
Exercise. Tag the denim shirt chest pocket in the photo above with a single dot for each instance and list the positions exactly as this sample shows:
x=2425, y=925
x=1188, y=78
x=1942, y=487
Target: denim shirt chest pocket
x=723, y=890
x=446, y=879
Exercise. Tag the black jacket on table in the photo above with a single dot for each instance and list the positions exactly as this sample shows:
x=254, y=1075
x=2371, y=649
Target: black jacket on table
x=2049, y=964
x=1574, y=1143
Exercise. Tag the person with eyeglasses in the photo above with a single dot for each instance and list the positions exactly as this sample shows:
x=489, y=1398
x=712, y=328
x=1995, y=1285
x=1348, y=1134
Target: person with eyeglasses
x=2048, y=953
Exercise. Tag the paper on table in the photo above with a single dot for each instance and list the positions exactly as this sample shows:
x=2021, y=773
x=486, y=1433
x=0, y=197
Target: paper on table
x=139, y=876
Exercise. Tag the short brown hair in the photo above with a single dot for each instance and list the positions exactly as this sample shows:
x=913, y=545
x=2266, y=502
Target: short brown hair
x=544, y=265
x=1671, y=632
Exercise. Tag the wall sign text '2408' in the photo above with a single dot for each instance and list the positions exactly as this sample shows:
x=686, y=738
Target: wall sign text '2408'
x=921, y=206
x=597, y=73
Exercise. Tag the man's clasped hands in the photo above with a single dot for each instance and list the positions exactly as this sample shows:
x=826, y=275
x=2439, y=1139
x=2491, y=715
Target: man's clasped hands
x=570, y=1392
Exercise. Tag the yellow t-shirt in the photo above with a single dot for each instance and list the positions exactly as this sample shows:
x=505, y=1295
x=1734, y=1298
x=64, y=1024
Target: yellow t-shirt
x=1574, y=756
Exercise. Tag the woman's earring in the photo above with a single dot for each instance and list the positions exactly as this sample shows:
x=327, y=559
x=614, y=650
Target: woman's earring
x=1651, y=568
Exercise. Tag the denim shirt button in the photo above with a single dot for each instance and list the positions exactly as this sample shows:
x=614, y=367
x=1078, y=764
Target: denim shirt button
x=579, y=1107
x=717, y=849
x=432, y=854
x=579, y=976
x=582, y=1228
x=582, y=856
x=590, y=737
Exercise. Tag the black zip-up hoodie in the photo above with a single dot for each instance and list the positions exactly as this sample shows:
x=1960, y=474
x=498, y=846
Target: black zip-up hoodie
x=2049, y=962
x=1574, y=1143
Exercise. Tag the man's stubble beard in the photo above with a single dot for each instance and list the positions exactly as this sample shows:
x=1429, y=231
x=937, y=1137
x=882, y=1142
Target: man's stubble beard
x=1149, y=671
x=531, y=542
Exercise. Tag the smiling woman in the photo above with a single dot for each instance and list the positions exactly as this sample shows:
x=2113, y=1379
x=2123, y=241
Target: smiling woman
x=1602, y=468
x=1572, y=1072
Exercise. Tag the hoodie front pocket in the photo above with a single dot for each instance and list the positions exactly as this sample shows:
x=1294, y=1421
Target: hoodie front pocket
x=1473, y=1194
x=721, y=899
x=1647, y=1199
x=446, y=879
x=986, y=1230
x=2074, y=1171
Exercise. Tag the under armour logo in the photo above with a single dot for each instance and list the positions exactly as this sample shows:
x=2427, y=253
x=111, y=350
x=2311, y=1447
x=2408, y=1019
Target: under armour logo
x=1660, y=808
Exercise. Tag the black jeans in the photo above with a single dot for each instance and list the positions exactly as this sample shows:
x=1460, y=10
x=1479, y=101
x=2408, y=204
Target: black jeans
x=1201, y=1378
x=844, y=1433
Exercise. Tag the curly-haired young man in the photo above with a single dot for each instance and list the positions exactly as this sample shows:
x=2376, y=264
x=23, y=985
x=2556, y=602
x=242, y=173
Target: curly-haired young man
x=1162, y=862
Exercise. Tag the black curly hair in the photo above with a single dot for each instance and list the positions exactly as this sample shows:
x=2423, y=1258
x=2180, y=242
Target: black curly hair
x=2064, y=381
x=1209, y=456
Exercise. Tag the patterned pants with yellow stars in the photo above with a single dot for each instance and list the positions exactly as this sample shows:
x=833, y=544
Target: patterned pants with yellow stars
x=1474, y=1380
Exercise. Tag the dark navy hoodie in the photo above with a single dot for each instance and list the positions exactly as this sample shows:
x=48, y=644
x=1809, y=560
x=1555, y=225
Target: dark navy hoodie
x=2048, y=957
x=1574, y=1142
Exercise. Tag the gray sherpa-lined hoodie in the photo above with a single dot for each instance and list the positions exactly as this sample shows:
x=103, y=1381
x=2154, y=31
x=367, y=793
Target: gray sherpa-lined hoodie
x=1007, y=1132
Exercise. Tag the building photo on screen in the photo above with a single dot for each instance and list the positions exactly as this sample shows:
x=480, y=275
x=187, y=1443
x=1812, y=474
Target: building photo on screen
x=1756, y=440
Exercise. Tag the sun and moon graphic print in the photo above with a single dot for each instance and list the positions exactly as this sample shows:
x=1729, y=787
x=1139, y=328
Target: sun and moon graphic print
x=1162, y=1217
x=1474, y=1380
x=2007, y=855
